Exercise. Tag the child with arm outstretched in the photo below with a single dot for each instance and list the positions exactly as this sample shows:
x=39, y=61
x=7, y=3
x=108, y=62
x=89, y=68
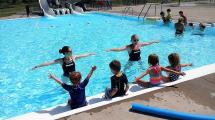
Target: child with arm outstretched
x=154, y=72
x=174, y=61
x=77, y=89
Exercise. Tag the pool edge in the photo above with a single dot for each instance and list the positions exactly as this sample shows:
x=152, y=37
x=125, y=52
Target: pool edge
x=48, y=113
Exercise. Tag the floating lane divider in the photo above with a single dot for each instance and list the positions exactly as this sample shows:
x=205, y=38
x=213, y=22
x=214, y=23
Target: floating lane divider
x=169, y=113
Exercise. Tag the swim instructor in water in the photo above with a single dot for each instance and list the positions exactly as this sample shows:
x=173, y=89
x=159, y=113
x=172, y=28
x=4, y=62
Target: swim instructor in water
x=134, y=48
x=67, y=62
x=134, y=51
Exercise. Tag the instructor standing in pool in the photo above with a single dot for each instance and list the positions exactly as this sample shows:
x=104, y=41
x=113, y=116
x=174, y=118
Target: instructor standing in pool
x=67, y=62
x=133, y=51
x=134, y=48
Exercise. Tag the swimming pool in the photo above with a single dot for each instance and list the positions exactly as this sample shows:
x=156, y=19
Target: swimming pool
x=28, y=42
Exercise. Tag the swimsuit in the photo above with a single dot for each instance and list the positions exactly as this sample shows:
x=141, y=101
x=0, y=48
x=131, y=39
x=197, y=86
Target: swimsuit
x=169, y=17
x=77, y=94
x=119, y=82
x=179, y=32
x=155, y=79
x=174, y=77
x=68, y=67
x=135, y=55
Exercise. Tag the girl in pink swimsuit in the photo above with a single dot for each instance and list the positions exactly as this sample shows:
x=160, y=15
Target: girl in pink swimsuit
x=154, y=72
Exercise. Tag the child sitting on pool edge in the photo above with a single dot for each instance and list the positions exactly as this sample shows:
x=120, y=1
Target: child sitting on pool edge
x=154, y=72
x=77, y=89
x=174, y=61
x=119, y=81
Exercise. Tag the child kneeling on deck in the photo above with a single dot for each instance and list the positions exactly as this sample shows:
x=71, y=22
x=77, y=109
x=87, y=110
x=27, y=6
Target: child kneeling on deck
x=154, y=72
x=77, y=89
x=119, y=81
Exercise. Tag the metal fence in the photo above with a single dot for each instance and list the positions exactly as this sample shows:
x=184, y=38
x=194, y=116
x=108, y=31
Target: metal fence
x=136, y=2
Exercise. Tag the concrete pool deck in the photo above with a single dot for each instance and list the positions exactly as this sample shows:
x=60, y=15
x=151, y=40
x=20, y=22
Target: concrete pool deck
x=195, y=11
x=189, y=96
x=199, y=11
x=194, y=96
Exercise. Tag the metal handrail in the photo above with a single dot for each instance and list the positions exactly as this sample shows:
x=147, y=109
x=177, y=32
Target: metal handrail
x=126, y=10
x=141, y=11
x=147, y=10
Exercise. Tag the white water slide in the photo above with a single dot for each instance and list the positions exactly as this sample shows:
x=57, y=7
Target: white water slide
x=49, y=12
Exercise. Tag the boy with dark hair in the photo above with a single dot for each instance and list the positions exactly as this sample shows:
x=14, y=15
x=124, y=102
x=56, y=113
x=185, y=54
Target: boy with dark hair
x=169, y=16
x=181, y=13
x=119, y=81
x=201, y=27
x=162, y=14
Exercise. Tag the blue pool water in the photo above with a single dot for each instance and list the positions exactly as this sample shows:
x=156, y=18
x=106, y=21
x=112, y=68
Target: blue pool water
x=25, y=43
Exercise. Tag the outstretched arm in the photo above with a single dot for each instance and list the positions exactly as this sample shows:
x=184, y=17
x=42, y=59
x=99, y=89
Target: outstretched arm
x=172, y=71
x=83, y=55
x=51, y=76
x=91, y=72
x=149, y=43
x=142, y=75
x=117, y=49
x=57, y=61
x=185, y=65
x=85, y=82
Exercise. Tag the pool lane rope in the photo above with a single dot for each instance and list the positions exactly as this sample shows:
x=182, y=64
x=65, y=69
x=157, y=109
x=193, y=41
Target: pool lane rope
x=169, y=113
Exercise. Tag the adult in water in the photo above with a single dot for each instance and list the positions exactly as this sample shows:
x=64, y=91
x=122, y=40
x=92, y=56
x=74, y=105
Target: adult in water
x=67, y=62
x=179, y=27
x=133, y=49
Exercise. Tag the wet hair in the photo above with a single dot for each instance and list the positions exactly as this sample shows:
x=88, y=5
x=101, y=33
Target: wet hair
x=134, y=36
x=162, y=13
x=168, y=10
x=64, y=50
x=201, y=25
x=75, y=77
x=191, y=24
x=153, y=59
x=181, y=12
x=115, y=65
x=174, y=59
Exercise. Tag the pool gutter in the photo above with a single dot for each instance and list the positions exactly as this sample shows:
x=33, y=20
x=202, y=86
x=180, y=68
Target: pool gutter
x=96, y=101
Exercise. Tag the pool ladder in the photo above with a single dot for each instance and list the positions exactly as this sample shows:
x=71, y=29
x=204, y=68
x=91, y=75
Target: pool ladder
x=150, y=5
x=127, y=11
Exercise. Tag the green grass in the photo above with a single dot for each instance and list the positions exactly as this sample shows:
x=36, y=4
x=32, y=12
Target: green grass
x=12, y=9
x=9, y=9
